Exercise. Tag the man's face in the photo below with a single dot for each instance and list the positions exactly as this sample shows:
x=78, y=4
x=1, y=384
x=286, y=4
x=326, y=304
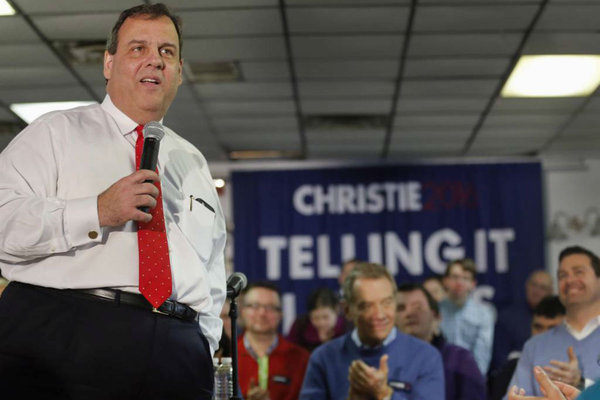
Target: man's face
x=540, y=324
x=414, y=316
x=459, y=283
x=578, y=285
x=372, y=309
x=435, y=288
x=538, y=286
x=262, y=311
x=144, y=73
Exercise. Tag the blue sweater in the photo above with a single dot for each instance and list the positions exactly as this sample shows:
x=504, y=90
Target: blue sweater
x=415, y=369
x=552, y=345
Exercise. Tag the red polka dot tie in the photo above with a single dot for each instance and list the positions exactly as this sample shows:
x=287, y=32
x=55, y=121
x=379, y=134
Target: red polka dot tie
x=155, y=267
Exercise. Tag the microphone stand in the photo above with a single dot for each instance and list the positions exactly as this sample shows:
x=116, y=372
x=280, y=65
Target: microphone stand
x=234, y=349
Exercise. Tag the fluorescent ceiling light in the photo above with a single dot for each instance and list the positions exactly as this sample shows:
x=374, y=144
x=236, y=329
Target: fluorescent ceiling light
x=553, y=76
x=30, y=111
x=5, y=8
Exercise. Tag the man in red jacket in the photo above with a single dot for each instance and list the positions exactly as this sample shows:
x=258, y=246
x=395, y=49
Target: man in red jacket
x=270, y=367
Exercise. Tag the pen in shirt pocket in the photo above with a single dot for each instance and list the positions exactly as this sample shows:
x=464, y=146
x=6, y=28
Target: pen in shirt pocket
x=199, y=200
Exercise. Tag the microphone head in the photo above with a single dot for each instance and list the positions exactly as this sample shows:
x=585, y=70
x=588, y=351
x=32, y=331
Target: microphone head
x=154, y=130
x=239, y=277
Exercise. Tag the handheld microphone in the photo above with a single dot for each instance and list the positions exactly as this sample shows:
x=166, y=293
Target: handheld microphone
x=153, y=133
x=235, y=284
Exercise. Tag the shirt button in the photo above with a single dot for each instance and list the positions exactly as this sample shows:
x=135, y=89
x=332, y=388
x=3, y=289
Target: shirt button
x=92, y=234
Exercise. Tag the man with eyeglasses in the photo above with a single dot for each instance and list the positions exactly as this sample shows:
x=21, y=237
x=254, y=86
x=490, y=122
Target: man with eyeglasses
x=466, y=322
x=270, y=367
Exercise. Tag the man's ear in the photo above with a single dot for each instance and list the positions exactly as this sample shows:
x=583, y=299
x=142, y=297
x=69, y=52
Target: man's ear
x=108, y=63
x=180, y=72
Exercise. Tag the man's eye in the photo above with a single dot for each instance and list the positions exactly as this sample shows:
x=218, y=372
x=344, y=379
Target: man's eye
x=168, y=52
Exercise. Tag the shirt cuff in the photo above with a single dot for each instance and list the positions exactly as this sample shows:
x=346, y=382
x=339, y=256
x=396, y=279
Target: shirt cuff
x=81, y=221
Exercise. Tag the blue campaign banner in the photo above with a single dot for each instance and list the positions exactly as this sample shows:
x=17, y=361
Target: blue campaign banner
x=296, y=227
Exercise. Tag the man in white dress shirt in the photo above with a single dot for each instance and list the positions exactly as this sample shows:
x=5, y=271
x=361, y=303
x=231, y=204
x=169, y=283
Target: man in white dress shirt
x=73, y=323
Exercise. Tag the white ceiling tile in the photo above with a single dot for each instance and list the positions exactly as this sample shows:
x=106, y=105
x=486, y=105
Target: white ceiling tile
x=58, y=93
x=207, y=50
x=481, y=17
x=353, y=47
x=468, y=45
x=244, y=90
x=351, y=89
x=82, y=27
x=26, y=55
x=75, y=6
x=254, y=107
x=455, y=67
x=563, y=43
x=344, y=69
x=14, y=29
x=347, y=20
x=338, y=106
x=444, y=120
x=482, y=88
x=187, y=4
x=514, y=133
x=258, y=21
x=264, y=70
x=512, y=105
x=273, y=140
x=344, y=3
x=346, y=138
x=526, y=119
x=32, y=77
x=439, y=105
x=562, y=17
x=253, y=124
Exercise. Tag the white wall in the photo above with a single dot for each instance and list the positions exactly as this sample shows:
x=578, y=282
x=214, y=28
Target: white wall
x=572, y=198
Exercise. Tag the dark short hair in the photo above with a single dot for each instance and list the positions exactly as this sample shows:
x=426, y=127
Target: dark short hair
x=594, y=260
x=151, y=11
x=411, y=287
x=368, y=271
x=263, y=285
x=467, y=264
x=549, y=307
x=322, y=297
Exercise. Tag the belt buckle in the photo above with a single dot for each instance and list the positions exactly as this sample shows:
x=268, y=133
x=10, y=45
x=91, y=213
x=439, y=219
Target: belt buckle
x=157, y=311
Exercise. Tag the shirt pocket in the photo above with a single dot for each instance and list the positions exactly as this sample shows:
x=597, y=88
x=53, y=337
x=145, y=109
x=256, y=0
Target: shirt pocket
x=197, y=222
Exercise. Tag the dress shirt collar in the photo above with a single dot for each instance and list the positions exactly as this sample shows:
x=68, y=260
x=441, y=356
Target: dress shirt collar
x=587, y=329
x=390, y=338
x=126, y=125
x=251, y=351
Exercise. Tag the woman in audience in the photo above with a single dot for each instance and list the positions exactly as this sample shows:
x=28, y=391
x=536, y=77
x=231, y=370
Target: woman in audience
x=322, y=323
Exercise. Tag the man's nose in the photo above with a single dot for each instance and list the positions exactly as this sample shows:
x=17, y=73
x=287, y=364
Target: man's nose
x=155, y=59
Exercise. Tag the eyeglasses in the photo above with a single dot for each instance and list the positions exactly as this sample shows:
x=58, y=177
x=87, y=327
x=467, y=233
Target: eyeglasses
x=270, y=308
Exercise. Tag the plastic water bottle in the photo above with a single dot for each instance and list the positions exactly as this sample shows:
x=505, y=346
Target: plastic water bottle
x=223, y=379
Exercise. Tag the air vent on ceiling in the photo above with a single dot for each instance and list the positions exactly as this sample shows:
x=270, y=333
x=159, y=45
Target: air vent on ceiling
x=346, y=121
x=83, y=52
x=212, y=72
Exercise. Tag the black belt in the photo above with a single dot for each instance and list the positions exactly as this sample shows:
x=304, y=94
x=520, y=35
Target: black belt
x=169, y=308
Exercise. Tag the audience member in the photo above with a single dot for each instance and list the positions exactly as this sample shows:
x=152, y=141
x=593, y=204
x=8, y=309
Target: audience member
x=435, y=286
x=375, y=360
x=466, y=322
x=577, y=340
x=322, y=323
x=514, y=322
x=3, y=284
x=554, y=390
x=547, y=314
x=418, y=315
x=270, y=367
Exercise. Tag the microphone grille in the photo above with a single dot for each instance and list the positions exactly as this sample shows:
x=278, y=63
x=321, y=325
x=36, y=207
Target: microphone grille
x=154, y=130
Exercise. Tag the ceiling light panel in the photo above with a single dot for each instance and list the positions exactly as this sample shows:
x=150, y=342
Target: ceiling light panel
x=553, y=76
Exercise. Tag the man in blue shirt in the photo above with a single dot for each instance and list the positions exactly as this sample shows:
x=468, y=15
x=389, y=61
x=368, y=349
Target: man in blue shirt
x=576, y=342
x=374, y=361
x=467, y=322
